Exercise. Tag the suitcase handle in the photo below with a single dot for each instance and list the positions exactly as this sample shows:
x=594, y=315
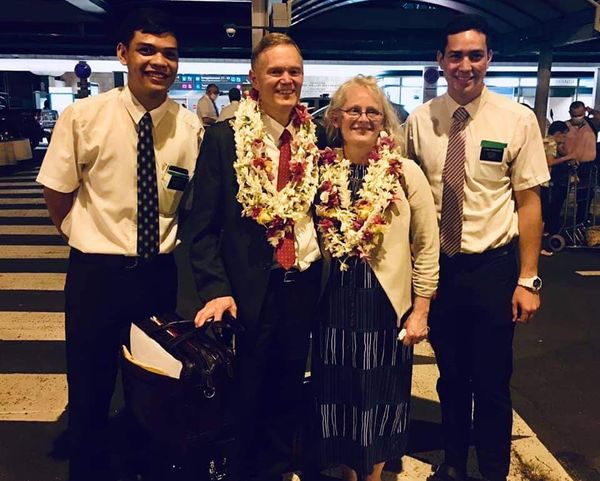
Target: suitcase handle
x=173, y=343
x=216, y=328
x=164, y=327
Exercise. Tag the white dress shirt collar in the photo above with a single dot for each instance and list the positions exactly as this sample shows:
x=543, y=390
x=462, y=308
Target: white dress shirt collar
x=472, y=107
x=274, y=128
x=137, y=111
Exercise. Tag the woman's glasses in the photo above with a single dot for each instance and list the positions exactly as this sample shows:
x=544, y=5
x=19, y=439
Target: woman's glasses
x=354, y=113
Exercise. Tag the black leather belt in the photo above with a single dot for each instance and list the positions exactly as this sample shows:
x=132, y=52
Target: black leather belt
x=483, y=256
x=279, y=274
x=114, y=260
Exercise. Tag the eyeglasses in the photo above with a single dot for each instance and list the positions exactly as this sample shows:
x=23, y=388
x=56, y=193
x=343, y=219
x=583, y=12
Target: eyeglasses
x=355, y=113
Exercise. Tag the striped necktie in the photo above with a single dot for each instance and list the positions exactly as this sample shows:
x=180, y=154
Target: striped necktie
x=453, y=180
x=285, y=253
x=147, y=193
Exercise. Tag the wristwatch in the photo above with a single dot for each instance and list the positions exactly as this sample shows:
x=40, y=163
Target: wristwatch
x=534, y=283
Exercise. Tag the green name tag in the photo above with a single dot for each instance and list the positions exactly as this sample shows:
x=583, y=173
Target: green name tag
x=493, y=145
x=492, y=151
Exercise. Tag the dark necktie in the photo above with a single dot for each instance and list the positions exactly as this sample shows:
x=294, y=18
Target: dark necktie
x=285, y=253
x=147, y=193
x=215, y=106
x=453, y=180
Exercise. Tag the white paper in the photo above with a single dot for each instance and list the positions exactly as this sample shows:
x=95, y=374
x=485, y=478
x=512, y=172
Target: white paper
x=146, y=350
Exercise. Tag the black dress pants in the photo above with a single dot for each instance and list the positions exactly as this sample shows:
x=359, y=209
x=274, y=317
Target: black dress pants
x=471, y=334
x=104, y=294
x=272, y=355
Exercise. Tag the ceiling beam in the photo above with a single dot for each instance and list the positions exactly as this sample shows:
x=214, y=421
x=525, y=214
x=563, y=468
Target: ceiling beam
x=570, y=29
x=311, y=8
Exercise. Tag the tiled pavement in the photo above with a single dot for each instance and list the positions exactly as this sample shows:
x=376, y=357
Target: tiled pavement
x=32, y=371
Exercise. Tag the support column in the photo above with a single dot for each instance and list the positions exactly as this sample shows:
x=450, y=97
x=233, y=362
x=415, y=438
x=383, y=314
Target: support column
x=260, y=18
x=542, y=90
x=597, y=89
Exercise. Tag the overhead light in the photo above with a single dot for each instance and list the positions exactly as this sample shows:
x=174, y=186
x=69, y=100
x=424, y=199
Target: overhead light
x=92, y=6
x=220, y=1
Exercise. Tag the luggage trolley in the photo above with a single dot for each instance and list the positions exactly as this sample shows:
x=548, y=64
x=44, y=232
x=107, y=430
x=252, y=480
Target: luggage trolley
x=573, y=234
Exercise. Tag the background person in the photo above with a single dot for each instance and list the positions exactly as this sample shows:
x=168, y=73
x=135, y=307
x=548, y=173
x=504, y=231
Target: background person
x=228, y=111
x=206, y=109
x=580, y=146
x=362, y=372
x=554, y=193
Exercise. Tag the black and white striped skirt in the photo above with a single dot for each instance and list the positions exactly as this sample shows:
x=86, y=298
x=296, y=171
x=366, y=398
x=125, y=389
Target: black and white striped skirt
x=362, y=374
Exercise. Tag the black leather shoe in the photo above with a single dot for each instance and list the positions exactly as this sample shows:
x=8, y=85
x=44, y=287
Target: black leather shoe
x=443, y=472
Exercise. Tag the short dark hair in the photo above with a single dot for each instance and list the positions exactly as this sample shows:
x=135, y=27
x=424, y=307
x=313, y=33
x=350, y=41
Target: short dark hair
x=146, y=20
x=235, y=94
x=209, y=86
x=464, y=22
x=269, y=41
x=576, y=105
x=558, y=126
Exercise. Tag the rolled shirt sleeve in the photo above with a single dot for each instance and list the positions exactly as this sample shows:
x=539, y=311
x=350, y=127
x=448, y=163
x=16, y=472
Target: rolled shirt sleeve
x=529, y=167
x=60, y=170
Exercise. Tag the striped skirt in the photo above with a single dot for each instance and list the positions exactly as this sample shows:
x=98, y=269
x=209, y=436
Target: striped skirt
x=362, y=374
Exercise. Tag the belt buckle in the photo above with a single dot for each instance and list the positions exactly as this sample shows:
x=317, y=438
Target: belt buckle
x=288, y=276
x=131, y=262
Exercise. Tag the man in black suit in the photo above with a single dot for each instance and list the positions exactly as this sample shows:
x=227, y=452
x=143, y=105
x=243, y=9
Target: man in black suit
x=257, y=257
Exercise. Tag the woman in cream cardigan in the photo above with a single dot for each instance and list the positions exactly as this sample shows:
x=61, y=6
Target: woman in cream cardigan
x=377, y=221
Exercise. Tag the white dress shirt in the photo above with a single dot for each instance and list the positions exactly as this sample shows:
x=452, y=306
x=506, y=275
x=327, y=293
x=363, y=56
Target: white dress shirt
x=489, y=212
x=93, y=152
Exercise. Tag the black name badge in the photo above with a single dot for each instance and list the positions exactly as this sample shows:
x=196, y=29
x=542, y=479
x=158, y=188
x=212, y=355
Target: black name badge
x=492, y=151
x=179, y=177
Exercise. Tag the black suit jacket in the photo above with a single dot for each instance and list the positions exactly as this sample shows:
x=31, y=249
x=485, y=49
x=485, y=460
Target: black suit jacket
x=229, y=254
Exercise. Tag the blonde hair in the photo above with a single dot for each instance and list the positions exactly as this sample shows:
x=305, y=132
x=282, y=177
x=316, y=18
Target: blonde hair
x=269, y=41
x=391, y=124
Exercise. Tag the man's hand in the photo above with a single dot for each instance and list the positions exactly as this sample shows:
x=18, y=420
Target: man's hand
x=525, y=304
x=214, y=310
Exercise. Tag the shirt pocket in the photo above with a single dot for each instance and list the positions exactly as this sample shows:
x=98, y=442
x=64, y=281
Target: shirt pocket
x=168, y=196
x=492, y=161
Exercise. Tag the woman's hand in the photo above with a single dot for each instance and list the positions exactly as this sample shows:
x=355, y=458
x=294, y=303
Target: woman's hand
x=416, y=324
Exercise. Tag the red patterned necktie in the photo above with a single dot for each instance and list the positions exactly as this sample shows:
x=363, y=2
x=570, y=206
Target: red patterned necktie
x=285, y=253
x=453, y=180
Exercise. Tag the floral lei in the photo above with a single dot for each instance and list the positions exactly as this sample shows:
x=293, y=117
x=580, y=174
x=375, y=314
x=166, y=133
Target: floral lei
x=355, y=228
x=277, y=210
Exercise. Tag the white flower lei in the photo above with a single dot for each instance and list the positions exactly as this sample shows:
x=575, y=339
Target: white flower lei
x=277, y=210
x=355, y=228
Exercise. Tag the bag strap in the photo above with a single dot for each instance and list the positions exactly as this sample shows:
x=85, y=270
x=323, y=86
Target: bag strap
x=164, y=327
x=173, y=343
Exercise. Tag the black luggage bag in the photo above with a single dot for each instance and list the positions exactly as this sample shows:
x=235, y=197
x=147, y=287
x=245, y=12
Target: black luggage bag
x=188, y=421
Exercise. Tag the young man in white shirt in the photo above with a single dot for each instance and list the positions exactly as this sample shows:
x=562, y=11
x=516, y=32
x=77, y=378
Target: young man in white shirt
x=113, y=176
x=484, y=158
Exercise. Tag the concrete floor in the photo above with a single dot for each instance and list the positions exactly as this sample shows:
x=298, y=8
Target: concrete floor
x=555, y=384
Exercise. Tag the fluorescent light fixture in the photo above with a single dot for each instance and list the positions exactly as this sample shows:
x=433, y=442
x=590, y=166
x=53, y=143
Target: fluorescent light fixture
x=92, y=6
x=220, y=1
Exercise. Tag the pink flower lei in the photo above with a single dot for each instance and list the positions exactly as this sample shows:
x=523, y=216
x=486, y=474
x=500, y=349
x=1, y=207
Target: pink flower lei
x=356, y=228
